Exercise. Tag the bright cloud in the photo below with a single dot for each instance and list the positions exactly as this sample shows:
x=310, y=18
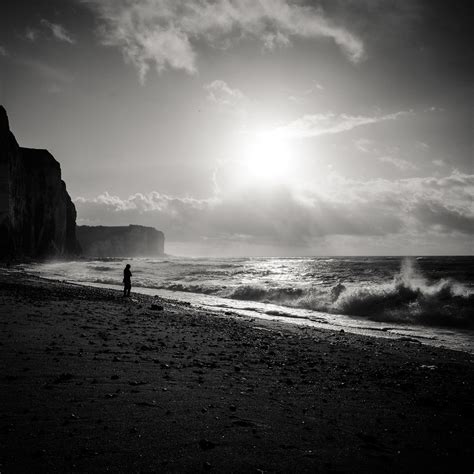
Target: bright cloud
x=222, y=94
x=300, y=96
x=278, y=215
x=163, y=33
x=365, y=145
x=58, y=31
x=398, y=163
x=323, y=124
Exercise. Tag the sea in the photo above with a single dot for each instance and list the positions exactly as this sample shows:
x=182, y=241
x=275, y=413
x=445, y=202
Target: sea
x=428, y=300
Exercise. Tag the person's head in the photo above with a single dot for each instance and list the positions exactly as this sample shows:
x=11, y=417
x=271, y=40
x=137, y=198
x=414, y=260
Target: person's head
x=127, y=266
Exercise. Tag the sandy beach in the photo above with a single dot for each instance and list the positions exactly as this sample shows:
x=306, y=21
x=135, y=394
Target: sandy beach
x=92, y=382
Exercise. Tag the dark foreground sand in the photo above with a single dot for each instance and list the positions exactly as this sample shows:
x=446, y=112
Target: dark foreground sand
x=93, y=383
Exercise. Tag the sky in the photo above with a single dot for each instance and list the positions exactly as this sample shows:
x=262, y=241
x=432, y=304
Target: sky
x=263, y=127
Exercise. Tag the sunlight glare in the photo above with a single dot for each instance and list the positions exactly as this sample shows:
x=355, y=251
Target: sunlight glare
x=267, y=157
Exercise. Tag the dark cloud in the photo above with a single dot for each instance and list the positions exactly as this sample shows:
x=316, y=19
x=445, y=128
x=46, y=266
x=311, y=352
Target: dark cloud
x=435, y=214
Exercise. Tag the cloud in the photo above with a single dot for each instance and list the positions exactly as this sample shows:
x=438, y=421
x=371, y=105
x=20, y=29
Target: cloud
x=31, y=34
x=434, y=109
x=281, y=216
x=439, y=216
x=365, y=145
x=3, y=51
x=398, y=163
x=165, y=33
x=323, y=124
x=58, y=31
x=273, y=40
x=299, y=97
x=222, y=94
x=422, y=146
x=387, y=154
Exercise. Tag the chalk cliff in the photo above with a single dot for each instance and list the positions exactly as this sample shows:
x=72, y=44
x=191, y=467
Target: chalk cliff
x=37, y=216
x=126, y=241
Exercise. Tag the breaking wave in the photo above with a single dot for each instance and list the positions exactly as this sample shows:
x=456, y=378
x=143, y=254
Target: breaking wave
x=261, y=293
x=409, y=298
x=192, y=288
x=101, y=268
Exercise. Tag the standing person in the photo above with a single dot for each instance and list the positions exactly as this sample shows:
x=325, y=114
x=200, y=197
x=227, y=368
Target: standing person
x=127, y=282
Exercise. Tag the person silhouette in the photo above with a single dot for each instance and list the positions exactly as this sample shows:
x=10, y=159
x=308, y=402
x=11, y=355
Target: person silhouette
x=127, y=283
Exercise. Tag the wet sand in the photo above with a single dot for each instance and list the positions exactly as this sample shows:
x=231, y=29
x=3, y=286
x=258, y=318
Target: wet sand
x=92, y=382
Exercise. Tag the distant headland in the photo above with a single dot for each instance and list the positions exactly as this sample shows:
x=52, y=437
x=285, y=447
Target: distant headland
x=121, y=241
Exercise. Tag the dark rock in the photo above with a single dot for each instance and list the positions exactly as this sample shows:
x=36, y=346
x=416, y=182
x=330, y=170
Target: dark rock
x=63, y=378
x=205, y=444
x=368, y=438
x=151, y=404
x=11, y=378
x=156, y=307
x=37, y=216
x=243, y=423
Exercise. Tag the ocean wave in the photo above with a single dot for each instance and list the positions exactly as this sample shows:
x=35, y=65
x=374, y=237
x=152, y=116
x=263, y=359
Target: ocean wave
x=443, y=306
x=261, y=293
x=103, y=281
x=101, y=268
x=192, y=288
x=408, y=299
x=363, y=290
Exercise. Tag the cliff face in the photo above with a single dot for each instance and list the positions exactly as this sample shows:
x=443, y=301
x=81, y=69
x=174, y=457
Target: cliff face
x=37, y=216
x=131, y=241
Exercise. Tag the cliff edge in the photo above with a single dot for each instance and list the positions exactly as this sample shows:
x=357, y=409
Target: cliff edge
x=37, y=216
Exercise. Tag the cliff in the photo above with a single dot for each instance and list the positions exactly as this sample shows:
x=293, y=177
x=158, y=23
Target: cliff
x=37, y=216
x=131, y=241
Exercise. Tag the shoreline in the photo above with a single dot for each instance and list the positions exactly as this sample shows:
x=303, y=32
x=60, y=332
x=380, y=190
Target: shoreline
x=451, y=338
x=92, y=382
x=457, y=339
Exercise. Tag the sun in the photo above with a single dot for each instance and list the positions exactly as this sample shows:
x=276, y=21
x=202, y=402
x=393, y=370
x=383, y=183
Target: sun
x=266, y=157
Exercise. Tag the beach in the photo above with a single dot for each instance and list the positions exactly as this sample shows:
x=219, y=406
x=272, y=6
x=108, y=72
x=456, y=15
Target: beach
x=93, y=382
